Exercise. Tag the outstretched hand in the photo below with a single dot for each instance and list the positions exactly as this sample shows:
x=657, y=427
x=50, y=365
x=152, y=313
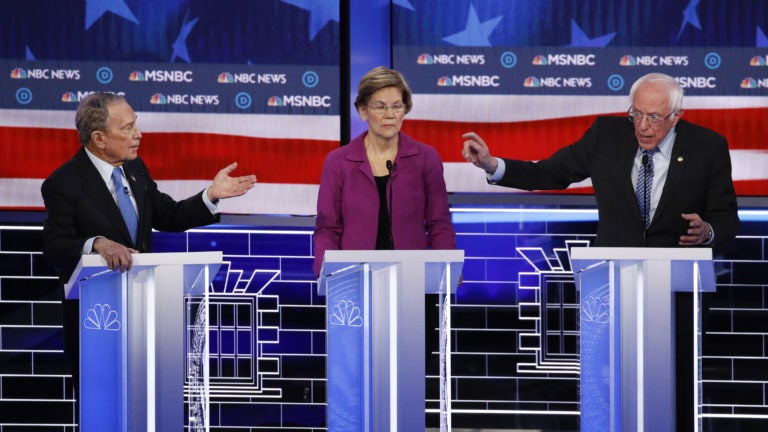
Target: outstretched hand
x=475, y=151
x=224, y=186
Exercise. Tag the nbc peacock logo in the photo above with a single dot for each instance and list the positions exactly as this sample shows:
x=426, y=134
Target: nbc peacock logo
x=540, y=60
x=137, y=76
x=225, y=78
x=158, y=99
x=748, y=83
x=444, y=81
x=19, y=73
x=425, y=59
x=532, y=82
x=275, y=101
x=627, y=60
x=69, y=97
x=757, y=61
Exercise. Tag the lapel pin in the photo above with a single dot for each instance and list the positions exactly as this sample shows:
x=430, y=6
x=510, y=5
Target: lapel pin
x=679, y=158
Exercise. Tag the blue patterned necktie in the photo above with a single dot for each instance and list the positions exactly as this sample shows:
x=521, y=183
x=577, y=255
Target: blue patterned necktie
x=125, y=204
x=644, y=184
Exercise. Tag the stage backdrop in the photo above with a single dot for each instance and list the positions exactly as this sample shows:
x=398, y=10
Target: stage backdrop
x=530, y=76
x=258, y=82
x=212, y=83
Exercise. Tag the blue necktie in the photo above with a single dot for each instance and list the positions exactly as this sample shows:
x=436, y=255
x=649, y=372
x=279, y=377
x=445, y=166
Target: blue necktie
x=125, y=204
x=644, y=184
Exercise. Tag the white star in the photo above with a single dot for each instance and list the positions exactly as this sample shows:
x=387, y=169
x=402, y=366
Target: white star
x=476, y=33
x=180, y=45
x=94, y=9
x=320, y=12
x=403, y=3
x=690, y=17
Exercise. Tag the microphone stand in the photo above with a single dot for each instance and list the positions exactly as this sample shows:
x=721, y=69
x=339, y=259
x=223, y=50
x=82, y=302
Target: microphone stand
x=390, y=168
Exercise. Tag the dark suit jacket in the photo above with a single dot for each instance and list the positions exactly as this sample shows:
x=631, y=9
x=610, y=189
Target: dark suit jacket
x=80, y=206
x=698, y=181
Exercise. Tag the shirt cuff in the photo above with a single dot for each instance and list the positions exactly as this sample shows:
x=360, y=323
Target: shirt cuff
x=499, y=173
x=711, y=236
x=214, y=208
x=88, y=246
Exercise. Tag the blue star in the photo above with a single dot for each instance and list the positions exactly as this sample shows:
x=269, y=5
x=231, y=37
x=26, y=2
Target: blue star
x=180, y=45
x=320, y=11
x=403, y=3
x=94, y=9
x=690, y=17
x=476, y=33
x=579, y=39
x=762, y=41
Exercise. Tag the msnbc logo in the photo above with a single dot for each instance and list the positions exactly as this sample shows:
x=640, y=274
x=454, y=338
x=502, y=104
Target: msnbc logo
x=225, y=78
x=69, y=97
x=540, y=60
x=275, y=101
x=627, y=60
x=158, y=99
x=444, y=81
x=425, y=59
x=754, y=61
x=532, y=82
x=19, y=73
x=137, y=76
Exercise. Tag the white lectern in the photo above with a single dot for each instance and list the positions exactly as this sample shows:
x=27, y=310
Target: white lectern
x=143, y=338
x=375, y=318
x=627, y=345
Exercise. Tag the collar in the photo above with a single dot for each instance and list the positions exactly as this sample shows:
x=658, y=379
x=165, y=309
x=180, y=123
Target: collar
x=665, y=146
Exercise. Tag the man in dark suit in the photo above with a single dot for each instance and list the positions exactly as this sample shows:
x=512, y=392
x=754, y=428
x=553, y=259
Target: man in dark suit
x=691, y=197
x=81, y=198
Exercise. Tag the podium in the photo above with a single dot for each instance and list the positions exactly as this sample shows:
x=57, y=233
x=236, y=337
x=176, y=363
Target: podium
x=376, y=336
x=143, y=339
x=627, y=326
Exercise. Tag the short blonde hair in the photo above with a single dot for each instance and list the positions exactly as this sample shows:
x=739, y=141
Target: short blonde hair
x=382, y=77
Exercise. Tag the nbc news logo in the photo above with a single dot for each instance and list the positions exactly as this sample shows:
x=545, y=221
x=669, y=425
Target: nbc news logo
x=751, y=83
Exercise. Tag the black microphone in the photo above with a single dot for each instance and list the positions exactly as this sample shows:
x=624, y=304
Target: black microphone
x=390, y=167
x=645, y=159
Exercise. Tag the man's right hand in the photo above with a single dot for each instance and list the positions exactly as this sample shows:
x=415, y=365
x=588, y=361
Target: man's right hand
x=476, y=152
x=118, y=256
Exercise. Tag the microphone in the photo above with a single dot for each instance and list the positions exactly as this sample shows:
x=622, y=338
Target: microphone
x=646, y=215
x=389, y=166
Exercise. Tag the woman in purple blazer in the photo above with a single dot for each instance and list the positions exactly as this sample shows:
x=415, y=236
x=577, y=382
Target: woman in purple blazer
x=383, y=190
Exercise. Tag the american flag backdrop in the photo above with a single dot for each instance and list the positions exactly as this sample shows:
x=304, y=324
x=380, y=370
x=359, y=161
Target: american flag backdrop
x=258, y=82
x=255, y=82
x=530, y=76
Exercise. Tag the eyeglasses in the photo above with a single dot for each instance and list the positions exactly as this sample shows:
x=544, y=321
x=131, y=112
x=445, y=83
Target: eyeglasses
x=653, y=119
x=380, y=108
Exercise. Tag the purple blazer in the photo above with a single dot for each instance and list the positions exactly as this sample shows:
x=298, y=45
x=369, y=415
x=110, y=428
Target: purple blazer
x=348, y=200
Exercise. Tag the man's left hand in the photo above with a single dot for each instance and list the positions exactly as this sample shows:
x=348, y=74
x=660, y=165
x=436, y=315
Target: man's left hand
x=699, y=232
x=224, y=186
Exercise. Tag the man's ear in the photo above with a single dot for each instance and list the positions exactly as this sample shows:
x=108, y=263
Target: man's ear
x=97, y=137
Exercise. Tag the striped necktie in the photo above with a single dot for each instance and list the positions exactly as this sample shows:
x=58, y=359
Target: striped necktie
x=644, y=185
